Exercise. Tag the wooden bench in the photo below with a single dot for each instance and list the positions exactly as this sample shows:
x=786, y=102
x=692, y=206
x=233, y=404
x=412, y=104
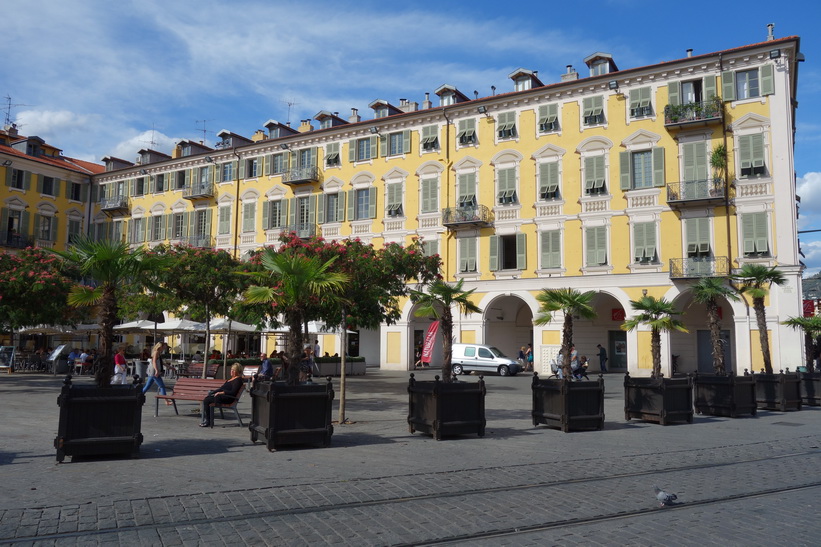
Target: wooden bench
x=194, y=370
x=196, y=389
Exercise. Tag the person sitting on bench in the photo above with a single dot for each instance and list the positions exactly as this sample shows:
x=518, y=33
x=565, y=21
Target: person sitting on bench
x=226, y=394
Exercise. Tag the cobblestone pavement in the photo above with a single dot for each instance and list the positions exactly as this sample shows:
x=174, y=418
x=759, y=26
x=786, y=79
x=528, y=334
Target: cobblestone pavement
x=748, y=481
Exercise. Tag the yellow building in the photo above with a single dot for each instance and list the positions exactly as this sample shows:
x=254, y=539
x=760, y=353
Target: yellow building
x=600, y=181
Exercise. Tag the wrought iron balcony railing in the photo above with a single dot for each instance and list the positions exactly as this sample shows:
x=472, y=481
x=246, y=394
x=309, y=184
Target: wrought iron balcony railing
x=15, y=240
x=301, y=175
x=205, y=242
x=700, y=266
x=472, y=215
x=303, y=231
x=199, y=190
x=113, y=203
x=696, y=191
x=703, y=112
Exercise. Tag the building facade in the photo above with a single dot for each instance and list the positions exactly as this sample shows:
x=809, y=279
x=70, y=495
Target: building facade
x=624, y=182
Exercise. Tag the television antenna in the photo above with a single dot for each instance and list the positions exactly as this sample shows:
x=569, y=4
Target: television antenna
x=291, y=103
x=7, y=111
x=151, y=142
x=204, y=130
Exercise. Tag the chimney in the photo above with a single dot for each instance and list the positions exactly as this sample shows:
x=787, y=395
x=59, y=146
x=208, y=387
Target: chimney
x=355, y=118
x=426, y=103
x=570, y=75
x=305, y=126
x=690, y=52
x=770, y=35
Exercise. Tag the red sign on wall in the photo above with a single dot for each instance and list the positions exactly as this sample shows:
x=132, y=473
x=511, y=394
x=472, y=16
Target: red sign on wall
x=617, y=314
x=809, y=308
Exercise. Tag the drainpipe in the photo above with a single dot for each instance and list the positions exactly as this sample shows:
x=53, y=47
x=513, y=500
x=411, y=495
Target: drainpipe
x=236, y=208
x=447, y=177
x=726, y=168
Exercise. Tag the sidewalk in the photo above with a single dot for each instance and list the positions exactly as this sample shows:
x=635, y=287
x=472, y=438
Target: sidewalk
x=379, y=485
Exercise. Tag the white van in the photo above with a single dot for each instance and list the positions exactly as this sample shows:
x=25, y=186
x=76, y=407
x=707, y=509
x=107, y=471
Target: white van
x=481, y=358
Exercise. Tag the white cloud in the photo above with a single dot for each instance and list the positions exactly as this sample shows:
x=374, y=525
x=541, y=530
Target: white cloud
x=127, y=149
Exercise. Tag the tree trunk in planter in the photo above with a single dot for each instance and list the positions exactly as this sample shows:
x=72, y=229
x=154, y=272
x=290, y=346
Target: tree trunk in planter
x=810, y=388
x=99, y=420
x=724, y=394
x=778, y=391
x=297, y=414
x=442, y=409
x=569, y=406
x=660, y=400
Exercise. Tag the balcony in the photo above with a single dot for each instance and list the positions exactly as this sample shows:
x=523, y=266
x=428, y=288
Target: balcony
x=698, y=267
x=694, y=114
x=15, y=240
x=303, y=231
x=464, y=217
x=301, y=175
x=204, y=242
x=696, y=192
x=203, y=190
x=114, y=203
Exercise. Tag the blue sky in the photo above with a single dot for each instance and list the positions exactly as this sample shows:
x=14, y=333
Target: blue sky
x=98, y=78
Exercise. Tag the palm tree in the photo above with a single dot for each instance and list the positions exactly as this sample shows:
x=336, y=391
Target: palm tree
x=812, y=330
x=293, y=282
x=570, y=302
x=110, y=266
x=708, y=291
x=437, y=302
x=755, y=280
x=660, y=315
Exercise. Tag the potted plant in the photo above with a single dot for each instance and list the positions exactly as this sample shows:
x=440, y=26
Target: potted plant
x=562, y=403
x=810, y=380
x=657, y=399
x=772, y=391
x=718, y=161
x=722, y=393
x=445, y=407
x=291, y=412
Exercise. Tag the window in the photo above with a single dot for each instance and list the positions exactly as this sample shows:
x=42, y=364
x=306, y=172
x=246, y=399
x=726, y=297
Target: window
x=467, y=190
x=430, y=138
x=227, y=171
x=508, y=252
x=640, y=106
x=74, y=226
x=274, y=214
x=551, y=249
x=76, y=191
x=506, y=184
x=138, y=230
x=224, y=220
x=751, y=155
x=19, y=179
x=594, y=175
x=202, y=223
x=467, y=132
x=548, y=118
x=177, y=226
x=755, y=234
x=506, y=125
x=430, y=195
x=332, y=155
x=159, y=184
x=522, y=83
x=549, y=180
x=695, y=161
x=249, y=213
x=49, y=185
x=117, y=231
x=46, y=228
x=306, y=158
x=467, y=254
x=644, y=243
x=380, y=112
x=747, y=84
x=181, y=179
x=362, y=203
x=642, y=169
x=698, y=237
x=280, y=163
x=252, y=168
x=393, y=199
x=156, y=228
x=139, y=186
x=593, y=110
x=331, y=208
x=396, y=143
x=430, y=247
x=596, y=254
x=362, y=149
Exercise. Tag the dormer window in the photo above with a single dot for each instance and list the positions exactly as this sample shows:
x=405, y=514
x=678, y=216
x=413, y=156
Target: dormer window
x=597, y=68
x=380, y=112
x=523, y=83
x=185, y=150
x=447, y=99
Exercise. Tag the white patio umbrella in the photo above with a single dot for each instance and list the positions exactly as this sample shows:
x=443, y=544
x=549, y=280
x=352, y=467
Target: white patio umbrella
x=222, y=325
x=136, y=326
x=179, y=326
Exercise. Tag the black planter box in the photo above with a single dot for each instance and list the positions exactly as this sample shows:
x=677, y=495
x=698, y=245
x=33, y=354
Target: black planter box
x=660, y=400
x=289, y=415
x=724, y=394
x=778, y=391
x=810, y=388
x=567, y=405
x=99, y=421
x=443, y=409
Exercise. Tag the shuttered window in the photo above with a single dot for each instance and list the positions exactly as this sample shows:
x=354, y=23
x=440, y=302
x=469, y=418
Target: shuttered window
x=393, y=199
x=751, y=155
x=698, y=236
x=640, y=106
x=249, y=217
x=644, y=242
x=593, y=110
x=274, y=214
x=506, y=186
x=596, y=253
x=748, y=84
x=224, y=222
x=549, y=180
x=643, y=169
x=508, y=252
x=430, y=195
x=548, y=118
x=467, y=190
x=551, y=249
x=430, y=247
x=467, y=132
x=332, y=155
x=506, y=125
x=430, y=138
x=594, y=175
x=467, y=254
x=755, y=234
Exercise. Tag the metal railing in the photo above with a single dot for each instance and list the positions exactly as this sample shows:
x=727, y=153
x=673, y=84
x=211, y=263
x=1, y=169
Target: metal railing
x=205, y=242
x=701, y=266
x=115, y=202
x=15, y=240
x=472, y=215
x=301, y=175
x=696, y=190
x=200, y=190
x=704, y=111
x=303, y=231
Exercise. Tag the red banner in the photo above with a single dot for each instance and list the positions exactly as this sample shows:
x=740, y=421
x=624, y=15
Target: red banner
x=809, y=308
x=430, y=337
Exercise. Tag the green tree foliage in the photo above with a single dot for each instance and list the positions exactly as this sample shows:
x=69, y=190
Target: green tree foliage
x=570, y=302
x=660, y=315
x=812, y=330
x=755, y=280
x=708, y=291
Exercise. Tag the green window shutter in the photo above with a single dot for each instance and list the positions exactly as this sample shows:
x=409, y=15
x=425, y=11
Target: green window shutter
x=351, y=151
x=293, y=205
x=493, y=264
x=600, y=176
x=4, y=219
x=26, y=180
x=218, y=173
x=187, y=178
x=371, y=202
x=551, y=249
x=151, y=184
x=674, y=93
x=241, y=171
x=320, y=209
x=383, y=146
x=25, y=222
x=425, y=206
x=639, y=241
x=222, y=224
x=266, y=215
x=207, y=231
x=658, y=166
x=463, y=255
x=374, y=144
x=728, y=85
x=590, y=252
x=650, y=240
x=249, y=214
x=589, y=173
x=766, y=80
x=761, y=233
x=266, y=167
x=340, y=207
x=587, y=106
x=351, y=204
x=745, y=151
x=9, y=172
x=601, y=245
x=689, y=153
x=472, y=258
x=406, y=141
x=39, y=183
x=58, y=184
x=624, y=171
x=757, y=150
x=521, y=251
x=312, y=209
x=748, y=233
x=709, y=87
x=635, y=98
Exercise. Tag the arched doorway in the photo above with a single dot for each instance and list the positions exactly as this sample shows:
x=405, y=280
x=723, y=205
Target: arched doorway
x=694, y=349
x=604, y=330
x=508, y=324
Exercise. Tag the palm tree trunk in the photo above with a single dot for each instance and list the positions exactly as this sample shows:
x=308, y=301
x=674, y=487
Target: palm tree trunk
x=447, y=344
x=295, y=336
x=655, y=349
x=761, y=320
x=108, y=316
x=567, y=343
x=715, y=336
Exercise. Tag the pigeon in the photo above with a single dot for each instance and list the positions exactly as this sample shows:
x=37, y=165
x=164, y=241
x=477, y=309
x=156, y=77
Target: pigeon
x=664, y=497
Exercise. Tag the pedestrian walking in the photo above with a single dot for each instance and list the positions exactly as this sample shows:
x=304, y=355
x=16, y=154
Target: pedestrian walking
x=602, y=358
x=157, y=369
